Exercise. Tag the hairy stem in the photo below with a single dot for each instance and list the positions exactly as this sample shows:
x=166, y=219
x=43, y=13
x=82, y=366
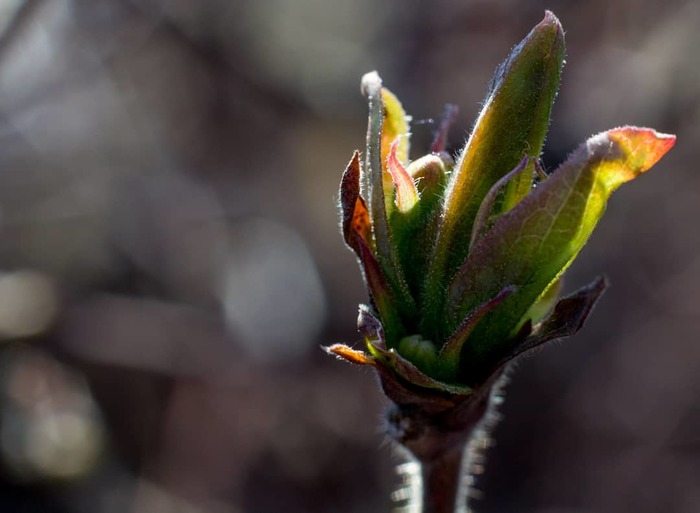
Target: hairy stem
x=442, y=435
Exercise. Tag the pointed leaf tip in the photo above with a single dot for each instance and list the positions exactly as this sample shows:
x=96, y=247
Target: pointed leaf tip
x=568, y=317
x=645, y=146
x=550, y=20
x=511, y=125
x=621, y=154
x=539, y=238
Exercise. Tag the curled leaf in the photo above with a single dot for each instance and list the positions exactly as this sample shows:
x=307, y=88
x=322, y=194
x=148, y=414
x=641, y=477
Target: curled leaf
x=638, y=148
x=369, y=326
x=354, y=215
x=406, y=191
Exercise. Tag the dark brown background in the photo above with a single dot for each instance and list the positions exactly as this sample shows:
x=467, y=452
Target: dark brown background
x=172, y=264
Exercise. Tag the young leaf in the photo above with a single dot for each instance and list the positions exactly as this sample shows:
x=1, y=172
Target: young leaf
x=382, y=295
x=428, y=173
x=520, y=186
x=354, y=215
x=414, y=230
x=406, y=191
x=451, y=351
x=395, y=127
x=567, y=318
x=512, y=124
x=511, y=188
x=412, y=374
x=531, y=245
x=374, y=187
x=369, y=326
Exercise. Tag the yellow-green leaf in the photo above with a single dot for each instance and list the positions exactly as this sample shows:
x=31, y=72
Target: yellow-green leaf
x=512, y=124
x=531, y=245
x=395, y=127
x=372, y=184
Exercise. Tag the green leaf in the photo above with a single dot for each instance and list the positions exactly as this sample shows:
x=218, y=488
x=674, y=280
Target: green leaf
x=414, y=230
x=373, y=184
x=503, y=196
x=519, y=186
x=545, y=303
x=381, y=293
x=531, y=245
x=411, y=374
x=512, y=124
x=567, y=318
x=452, y=350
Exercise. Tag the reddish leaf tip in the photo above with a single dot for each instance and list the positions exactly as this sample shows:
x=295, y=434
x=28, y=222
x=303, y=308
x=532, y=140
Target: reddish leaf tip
x=406, y=191
x=651, y=144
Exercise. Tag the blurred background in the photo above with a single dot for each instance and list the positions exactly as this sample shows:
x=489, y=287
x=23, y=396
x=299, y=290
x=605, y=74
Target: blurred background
x=170, y=261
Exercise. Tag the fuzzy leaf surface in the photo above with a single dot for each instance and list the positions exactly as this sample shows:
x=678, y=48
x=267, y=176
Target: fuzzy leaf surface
x=512, y=124
x=532, y=244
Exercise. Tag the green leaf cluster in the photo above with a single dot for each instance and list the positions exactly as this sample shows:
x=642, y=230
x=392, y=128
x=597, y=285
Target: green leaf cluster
x=463, y=260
